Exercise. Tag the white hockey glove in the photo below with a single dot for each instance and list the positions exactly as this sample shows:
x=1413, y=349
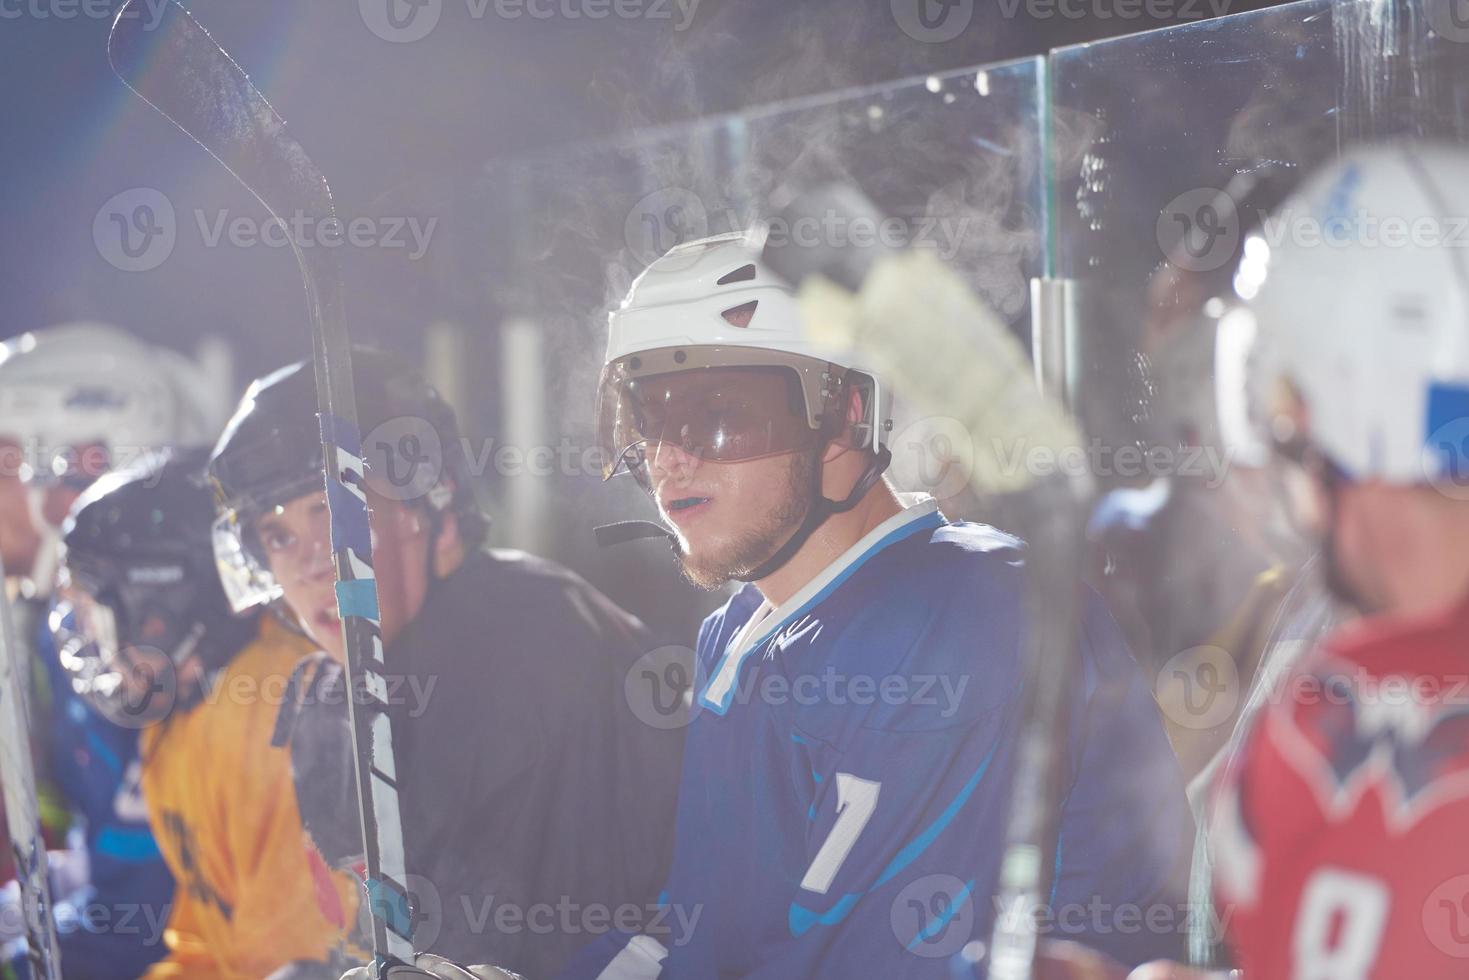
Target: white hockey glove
x=434, y=968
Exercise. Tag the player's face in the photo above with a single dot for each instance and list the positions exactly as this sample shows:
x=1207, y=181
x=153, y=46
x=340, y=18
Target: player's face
x=19, y=542
x=296, y=540
x=729, y=517
x=1363, y=530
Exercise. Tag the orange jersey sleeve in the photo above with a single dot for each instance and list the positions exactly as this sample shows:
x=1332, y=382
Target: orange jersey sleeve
x=223, y=807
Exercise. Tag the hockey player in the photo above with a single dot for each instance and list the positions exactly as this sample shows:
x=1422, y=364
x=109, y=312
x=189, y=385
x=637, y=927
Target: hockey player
x=75, y=400
x=155, y=643
x=1338, y=829
x=527, y=787
x=1339, y=836
x=846, y=780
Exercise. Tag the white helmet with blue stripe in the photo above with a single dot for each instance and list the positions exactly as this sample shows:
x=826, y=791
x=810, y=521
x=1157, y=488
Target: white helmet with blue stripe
x=1357, y=293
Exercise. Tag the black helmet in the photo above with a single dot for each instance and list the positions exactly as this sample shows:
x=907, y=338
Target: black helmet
x=270, y=454
x=139, y=591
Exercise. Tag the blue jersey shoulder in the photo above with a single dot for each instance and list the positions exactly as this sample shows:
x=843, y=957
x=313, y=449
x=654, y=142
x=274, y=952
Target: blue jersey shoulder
x=937, y=611
x=919, y=572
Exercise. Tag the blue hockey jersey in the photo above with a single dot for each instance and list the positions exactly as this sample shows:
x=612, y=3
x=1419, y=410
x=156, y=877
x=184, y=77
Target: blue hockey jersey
x=113, y=928
x=846, y=780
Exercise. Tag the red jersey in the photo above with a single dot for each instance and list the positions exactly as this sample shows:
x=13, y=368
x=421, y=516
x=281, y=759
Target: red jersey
x=1341, y=838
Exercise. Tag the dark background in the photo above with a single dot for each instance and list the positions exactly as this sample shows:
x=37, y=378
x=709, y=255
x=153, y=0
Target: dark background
x=424, y=130
x=393, y=124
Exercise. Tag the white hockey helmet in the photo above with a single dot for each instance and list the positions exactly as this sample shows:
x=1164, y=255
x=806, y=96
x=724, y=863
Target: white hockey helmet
x=83, y=398
x=712, y=306
x=1357, y=305
x=91, y=383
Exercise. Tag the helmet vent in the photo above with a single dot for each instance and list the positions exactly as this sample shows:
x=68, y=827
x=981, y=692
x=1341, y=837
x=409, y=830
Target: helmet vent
x=741, y=315
x=743, y=274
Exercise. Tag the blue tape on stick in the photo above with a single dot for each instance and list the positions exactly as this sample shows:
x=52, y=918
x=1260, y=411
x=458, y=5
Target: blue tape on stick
x=340, y=433
x=390, y=905
x=350, y=526
x=358, y=598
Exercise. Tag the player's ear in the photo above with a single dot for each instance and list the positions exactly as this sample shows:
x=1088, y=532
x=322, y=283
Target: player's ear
x=448, y=546
x=856, y=406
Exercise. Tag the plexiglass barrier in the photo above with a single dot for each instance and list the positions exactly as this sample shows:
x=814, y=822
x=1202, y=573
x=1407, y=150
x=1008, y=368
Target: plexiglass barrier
x=953, y=161
x=1131, y=170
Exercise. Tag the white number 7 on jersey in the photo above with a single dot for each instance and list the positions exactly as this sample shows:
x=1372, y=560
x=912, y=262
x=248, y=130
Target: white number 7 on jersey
x=856, y=799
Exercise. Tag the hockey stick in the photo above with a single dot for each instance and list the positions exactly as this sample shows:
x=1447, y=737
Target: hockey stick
x=22, y=810
x=176, y=67
x=948, y=353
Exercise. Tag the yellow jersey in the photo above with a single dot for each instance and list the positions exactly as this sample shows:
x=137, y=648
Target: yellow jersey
x=223, y=808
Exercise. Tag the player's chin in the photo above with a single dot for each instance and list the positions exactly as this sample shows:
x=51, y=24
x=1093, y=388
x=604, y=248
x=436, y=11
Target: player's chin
x=701, y=566
x=326, y=633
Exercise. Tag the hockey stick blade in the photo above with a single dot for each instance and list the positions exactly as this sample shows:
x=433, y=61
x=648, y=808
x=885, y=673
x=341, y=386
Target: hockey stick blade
x=176, y=67
x=22, y=808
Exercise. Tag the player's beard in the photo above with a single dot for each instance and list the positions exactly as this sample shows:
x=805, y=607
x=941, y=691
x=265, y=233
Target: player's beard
x=757, y=541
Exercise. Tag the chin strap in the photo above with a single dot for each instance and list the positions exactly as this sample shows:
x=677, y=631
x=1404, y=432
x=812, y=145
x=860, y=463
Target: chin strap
x=821, y=508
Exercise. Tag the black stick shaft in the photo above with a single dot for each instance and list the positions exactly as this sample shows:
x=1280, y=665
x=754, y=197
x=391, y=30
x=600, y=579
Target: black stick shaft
x=176, y=67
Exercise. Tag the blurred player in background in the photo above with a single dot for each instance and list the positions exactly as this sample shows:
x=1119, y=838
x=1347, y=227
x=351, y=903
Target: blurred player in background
x=156, y=647
x=846, y=780
x=1339, y=835
x=527, y=783
x=1223, y=591
x=1338, y=830
x=75, y=400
